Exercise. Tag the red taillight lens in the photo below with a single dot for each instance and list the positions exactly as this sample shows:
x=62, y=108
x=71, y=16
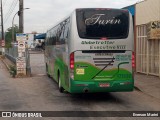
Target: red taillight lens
x=103, y=38
x=133, y=60
x=72, y=60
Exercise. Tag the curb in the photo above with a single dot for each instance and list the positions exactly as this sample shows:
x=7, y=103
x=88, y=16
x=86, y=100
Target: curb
x=8, y=68
x=5, y=64
x=144, y=92
x=138, y=89
x=36, y=53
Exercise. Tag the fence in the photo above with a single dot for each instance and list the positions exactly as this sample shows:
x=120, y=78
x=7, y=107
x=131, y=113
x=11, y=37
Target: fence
x=147, y=53
x=12, y=53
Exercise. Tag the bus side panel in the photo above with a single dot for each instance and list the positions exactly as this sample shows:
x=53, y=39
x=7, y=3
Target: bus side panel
x=49, y=59
x=62, y=68
x=57, y=52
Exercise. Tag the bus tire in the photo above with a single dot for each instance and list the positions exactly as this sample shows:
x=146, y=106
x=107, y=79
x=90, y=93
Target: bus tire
x=61, y=89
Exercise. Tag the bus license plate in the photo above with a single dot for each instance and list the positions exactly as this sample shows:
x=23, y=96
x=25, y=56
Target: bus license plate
x=104, y=85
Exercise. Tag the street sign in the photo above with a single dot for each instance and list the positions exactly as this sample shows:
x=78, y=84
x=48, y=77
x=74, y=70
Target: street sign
x=153, y=30
x=21, y=65
x=21, y=54
x=21, y=46
x=2, y=43
x=21, y=60
x=21, y=37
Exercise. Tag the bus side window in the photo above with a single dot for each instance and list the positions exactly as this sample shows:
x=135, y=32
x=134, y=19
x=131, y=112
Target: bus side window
x=61, y=33
x=66, y=32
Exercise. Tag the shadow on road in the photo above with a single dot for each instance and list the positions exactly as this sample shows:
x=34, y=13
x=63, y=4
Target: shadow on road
x=97, y=97
x=87, y=97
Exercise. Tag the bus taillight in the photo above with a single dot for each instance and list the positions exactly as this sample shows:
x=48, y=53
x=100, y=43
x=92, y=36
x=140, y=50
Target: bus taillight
x=133, y=60
x=104, y=38
x=72, y=60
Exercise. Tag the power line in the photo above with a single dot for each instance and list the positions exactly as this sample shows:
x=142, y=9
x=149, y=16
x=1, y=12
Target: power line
x=4, y=3
x=13, y=2
x=12, y=7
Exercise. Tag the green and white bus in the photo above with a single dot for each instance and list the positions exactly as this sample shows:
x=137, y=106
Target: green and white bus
x=92, y=51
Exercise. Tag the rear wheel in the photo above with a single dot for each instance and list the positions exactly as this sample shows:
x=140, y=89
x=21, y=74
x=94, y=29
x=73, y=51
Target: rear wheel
x=61, y=89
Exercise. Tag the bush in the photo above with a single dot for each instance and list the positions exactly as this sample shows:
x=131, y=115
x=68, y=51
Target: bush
x=12, y=70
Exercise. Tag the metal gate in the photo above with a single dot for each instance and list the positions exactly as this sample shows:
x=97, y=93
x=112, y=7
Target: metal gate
x=147, y=52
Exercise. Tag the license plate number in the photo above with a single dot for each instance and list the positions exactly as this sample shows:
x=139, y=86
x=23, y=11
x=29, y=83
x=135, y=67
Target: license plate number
x=104, y=85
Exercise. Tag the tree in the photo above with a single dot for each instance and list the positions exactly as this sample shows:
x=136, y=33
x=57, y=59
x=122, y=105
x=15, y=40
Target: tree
x=8, y=36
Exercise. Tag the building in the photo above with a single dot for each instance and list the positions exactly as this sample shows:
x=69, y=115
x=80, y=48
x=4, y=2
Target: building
x=33, y=39
x=131, y=9
x=147, y=24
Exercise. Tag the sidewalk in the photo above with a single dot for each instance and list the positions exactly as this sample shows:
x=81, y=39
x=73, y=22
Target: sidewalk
x=7, y=62
x=36, y=51
x=148, y=84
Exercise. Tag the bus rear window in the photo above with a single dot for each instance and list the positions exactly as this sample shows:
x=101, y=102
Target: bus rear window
x=103, y=23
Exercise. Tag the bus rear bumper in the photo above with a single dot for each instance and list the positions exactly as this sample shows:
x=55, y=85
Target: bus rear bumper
x=101, y=86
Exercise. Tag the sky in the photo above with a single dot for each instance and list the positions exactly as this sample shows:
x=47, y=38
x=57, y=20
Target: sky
x=43, y=14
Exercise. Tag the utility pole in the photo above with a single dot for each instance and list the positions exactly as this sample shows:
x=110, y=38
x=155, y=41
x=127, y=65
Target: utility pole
x=2, y=21
x=21, y=16
x=21, y=30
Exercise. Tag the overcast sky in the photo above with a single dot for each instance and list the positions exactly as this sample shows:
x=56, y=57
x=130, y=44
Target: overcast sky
x=43, y=14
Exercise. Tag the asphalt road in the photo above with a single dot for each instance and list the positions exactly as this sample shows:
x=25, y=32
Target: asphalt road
x=40, y=93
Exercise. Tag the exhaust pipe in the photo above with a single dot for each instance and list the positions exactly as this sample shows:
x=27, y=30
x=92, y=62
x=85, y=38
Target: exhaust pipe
x=85, y=90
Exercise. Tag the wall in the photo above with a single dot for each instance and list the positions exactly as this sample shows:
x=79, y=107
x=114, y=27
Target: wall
x=147, y=50
x=147, y=11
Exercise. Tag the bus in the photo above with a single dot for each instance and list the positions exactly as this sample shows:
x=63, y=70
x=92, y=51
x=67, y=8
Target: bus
x=92, y=50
